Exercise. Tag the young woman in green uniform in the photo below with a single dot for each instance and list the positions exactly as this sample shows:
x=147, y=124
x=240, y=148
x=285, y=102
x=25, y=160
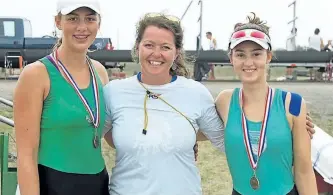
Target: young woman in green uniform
x=59, y=111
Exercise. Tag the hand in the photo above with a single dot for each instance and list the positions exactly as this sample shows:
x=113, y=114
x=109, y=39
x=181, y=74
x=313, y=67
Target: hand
x=195, y=148
x=309, y=125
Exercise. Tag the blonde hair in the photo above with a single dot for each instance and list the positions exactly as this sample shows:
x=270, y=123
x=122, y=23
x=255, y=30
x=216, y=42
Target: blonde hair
x=163, y=21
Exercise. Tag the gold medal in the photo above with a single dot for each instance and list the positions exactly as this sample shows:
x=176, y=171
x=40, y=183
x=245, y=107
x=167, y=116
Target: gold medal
x=254, y=182
x=96, y=141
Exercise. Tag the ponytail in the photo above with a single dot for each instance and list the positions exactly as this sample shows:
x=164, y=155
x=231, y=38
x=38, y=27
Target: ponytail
x=58, y=43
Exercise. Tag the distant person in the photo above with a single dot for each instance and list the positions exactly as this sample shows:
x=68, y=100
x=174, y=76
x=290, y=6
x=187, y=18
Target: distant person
x=328, y=46
x=291, y=41
x=291, y=46
x=212, y=46
x=59, y=111
x=316, y=41
x=201, y=69
x=267, y=149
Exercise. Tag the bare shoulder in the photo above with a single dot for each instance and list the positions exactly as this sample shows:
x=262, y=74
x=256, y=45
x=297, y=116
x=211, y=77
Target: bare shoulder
x=33, y=80
x=35, y=71
x=224, y=96
x=102, y=73
x=222, y=102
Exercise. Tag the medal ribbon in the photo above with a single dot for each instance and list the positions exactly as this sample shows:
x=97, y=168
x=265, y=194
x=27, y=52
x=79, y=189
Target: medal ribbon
x=94, y=117
x=262, y=137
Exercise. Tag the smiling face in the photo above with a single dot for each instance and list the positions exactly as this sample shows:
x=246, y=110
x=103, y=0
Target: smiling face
x=79, y=28
x=249, y=61
x=157, y=51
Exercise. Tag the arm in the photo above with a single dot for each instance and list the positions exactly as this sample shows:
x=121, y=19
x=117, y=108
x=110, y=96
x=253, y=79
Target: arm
x=210, y=123
x=222, y=106
x=107, y=131
x=214, y=42
x=28, y=102
x=304, y=174
x=322, y=44
x=201, y=136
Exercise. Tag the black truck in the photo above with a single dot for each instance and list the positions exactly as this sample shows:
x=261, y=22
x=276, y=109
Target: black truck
x=16, y=42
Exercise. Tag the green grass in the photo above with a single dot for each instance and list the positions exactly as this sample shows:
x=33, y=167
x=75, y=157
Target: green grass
x=6, y=112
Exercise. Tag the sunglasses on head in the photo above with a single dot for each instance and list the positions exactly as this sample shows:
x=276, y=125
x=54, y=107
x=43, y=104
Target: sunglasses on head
x=169, y=17
x=250, y=33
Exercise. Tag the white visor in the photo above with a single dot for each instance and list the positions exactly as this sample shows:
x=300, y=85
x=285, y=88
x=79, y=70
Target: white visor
x=250, y=35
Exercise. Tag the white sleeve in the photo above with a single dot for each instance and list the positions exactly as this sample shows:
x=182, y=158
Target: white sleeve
x=210, y=123
x=108, y=122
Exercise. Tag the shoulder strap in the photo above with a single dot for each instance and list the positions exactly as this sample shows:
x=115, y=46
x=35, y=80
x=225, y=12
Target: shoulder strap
x=295, y=102
x=44, y=60
x=48, y=62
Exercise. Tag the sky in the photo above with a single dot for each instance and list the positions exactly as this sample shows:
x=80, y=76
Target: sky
x=119, y=18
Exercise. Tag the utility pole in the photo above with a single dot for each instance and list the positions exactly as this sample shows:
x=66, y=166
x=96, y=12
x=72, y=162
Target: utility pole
x=118, y=38
x=293, y=37
x=189, y=5
x=200, y=20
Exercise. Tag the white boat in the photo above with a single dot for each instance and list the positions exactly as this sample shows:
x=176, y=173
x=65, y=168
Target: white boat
x=322, y=159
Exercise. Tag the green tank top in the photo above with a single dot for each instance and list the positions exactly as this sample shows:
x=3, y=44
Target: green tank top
x=66, y=137
x=275, y=165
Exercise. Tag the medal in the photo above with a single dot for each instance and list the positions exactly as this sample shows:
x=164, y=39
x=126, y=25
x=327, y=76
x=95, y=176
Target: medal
x=91, y=118
x=254, y=181
x=96, y=140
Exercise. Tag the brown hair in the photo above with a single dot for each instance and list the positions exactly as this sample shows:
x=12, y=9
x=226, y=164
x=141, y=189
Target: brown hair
x=253, y=23
x=237, y=25
x=172, y=24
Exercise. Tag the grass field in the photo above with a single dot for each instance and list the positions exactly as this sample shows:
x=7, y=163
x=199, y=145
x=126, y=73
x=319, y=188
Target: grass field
x=214, y=172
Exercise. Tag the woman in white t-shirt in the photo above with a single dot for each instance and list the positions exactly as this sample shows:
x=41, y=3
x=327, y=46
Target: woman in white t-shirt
x=156, y=115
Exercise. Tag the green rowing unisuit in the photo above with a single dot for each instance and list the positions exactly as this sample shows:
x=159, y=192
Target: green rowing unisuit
x=66, y=136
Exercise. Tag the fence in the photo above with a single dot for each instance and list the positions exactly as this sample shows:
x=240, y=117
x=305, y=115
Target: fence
x=8, y=174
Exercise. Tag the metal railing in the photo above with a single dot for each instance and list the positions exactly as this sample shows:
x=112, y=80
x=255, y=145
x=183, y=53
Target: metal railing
x=6, y=102
x=8, y=174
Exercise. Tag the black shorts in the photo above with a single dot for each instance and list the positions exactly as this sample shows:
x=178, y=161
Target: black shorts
x=53, y=182
x=292, y=192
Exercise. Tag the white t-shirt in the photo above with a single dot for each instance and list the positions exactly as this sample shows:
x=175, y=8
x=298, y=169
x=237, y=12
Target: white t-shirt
x=314, y=42
x=211, y=44
x=290, y=45
x=162, y=161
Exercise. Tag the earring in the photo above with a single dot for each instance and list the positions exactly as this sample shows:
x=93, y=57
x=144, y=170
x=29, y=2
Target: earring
x=174, y=66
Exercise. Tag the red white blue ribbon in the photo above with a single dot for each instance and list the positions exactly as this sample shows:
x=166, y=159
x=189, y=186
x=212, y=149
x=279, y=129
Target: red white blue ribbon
x=246, y=134
x=95, y=117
